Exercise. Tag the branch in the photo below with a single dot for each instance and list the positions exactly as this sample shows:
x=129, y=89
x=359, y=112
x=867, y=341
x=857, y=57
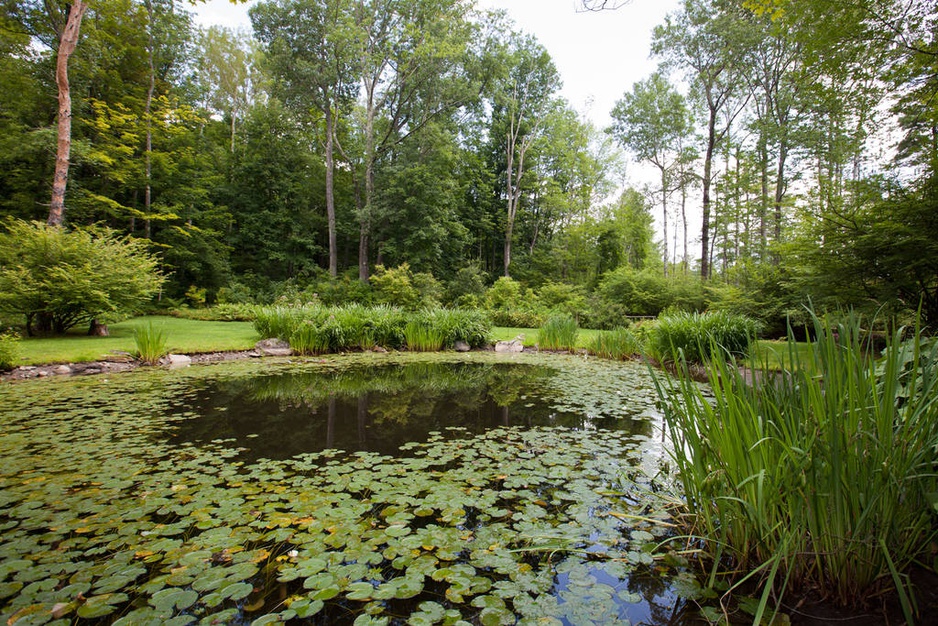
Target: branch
x=594, y=6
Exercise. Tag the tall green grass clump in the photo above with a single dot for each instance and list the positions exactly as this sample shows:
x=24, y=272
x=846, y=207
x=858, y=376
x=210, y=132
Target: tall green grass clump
x=470, y=326
x=421, y=336
x=559, y=332
x=9, y=350
x=620, y=343
x=151, y=343
x=318, y=329
x=823, y=477
x=695, y=336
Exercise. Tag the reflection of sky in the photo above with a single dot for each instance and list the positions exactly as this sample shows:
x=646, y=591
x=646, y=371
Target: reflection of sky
x=659, y=605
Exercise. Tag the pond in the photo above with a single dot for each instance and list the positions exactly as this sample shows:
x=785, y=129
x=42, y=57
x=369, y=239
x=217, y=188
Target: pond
x=360, y=489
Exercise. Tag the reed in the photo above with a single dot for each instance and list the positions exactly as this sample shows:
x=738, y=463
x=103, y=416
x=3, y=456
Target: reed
x=695, y=337
x=559, y=332
x=422, y=337
x=151, y=343
x=619, y=343
x=819, y=477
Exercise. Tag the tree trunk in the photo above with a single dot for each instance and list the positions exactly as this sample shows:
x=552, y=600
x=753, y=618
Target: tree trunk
x=330, y=192
x=148, y=115
x=705, y=227
x=67, y=43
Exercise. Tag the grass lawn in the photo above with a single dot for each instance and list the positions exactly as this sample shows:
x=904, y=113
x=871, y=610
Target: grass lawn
x=182, y=336
x=502, y=333
x=776, y=355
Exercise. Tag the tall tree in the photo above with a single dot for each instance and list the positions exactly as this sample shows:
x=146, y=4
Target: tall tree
x=652, y=121
x=697, y=40
x=411, y=60
x=68, y=40
x=311, y=50
x=523, y=95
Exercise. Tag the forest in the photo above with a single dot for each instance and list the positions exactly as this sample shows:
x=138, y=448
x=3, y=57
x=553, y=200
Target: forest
x=350, y=144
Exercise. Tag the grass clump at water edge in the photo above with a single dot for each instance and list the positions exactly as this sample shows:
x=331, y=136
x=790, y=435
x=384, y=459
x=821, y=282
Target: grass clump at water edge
x=151, y=343
x=800, y=481
x=559, y=332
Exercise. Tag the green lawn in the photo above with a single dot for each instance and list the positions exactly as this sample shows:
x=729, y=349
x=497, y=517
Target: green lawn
x=503, y=333
x=182, y=336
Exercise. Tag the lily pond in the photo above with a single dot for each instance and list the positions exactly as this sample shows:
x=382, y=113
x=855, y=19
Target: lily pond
x=358, y=489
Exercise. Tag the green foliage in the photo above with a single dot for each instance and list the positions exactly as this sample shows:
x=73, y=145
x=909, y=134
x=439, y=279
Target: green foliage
x=505, y=293
x=467, y=287
x=395, y=287
x=698, y=337
x=57, y=279
x=559, y=332
x=562, y=298
x=151, y=343
x=619, y=343
x=9, y=350
x=822, y=476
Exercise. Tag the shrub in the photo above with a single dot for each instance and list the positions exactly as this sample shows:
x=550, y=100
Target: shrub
x=559, y=332
x=562, y=298
x=821, y=477
x=151, y=343
x=394, y=286
x=620, y=343
x=9, y=350
x=505, y=294
x=58, y=279
x=694, y=336
x=467, y=288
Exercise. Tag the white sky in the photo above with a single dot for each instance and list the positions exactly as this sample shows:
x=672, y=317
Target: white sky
x=599, y=55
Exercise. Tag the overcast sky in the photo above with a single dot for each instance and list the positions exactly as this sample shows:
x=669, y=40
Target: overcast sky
x=599, y=55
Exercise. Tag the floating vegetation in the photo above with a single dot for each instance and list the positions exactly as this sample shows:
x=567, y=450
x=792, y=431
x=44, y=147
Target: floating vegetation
x=105, y=520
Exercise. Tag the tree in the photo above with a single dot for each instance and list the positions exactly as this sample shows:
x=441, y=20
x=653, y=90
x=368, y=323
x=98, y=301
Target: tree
x=651, y=121
x=311, y=52
x=412, y=61
x=522, y=98
x=57, y=278
x=68, y=40
x=699, y=40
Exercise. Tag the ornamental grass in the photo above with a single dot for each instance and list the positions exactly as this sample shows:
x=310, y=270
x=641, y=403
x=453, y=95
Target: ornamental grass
x=822, y=477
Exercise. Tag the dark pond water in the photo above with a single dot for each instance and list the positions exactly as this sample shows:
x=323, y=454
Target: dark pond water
x=409, y=489
x=376, y=408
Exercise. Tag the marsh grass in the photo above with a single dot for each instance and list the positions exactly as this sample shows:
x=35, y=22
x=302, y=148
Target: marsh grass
x=619, y=343
x=821, y=477
x=318, y=329
x=151, y=343
x=559, y=332
x=422, y=337
x=695, y=337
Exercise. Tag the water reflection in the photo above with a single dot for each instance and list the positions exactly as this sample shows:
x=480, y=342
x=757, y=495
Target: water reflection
x=375, y=408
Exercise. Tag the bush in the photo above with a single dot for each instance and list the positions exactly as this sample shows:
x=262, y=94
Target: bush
x=694, y=336
x=58, y=279
x=559, y=332
x=395, y=287
x=822, y=477
x=505, y=294
x=9, y=350
x=562, y=298
x=467, y=289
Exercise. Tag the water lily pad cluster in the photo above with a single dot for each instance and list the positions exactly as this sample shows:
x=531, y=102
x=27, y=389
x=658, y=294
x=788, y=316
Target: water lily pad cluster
x=105, y=521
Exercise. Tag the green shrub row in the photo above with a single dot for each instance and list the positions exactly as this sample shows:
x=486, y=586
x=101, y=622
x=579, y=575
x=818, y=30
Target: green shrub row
x=317, y=329
x=619, y=343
